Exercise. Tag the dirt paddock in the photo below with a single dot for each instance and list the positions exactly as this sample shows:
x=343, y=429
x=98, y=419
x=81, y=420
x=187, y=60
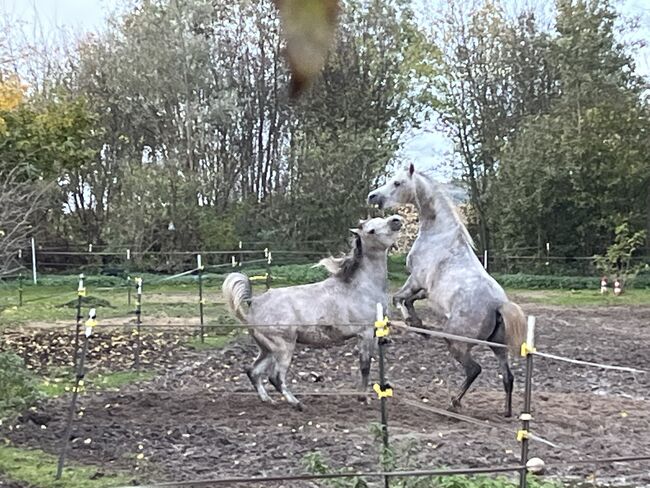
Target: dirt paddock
x=198, y=418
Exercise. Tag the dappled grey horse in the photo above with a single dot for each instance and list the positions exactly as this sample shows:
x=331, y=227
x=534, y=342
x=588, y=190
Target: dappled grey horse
x=341, y=307
x=444, y=268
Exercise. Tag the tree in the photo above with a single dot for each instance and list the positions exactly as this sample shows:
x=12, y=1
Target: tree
x=494, y=72
x=578, y=170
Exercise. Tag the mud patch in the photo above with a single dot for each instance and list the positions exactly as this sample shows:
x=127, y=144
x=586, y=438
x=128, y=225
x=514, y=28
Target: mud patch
x=200, y=419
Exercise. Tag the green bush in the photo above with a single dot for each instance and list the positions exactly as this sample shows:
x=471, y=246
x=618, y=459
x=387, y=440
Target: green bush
x=18, y=385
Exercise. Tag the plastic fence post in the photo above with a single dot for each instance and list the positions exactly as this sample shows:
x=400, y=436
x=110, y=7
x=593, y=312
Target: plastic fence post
x=200, y=268
x=138, y=321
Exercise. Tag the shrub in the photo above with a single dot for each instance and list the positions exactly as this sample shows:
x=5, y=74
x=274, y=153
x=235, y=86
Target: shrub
x=17, y=384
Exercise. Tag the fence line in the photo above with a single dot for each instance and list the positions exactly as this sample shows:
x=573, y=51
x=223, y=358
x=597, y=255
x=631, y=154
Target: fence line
x=589, y=363
x=391, y=474
x=445, y=335
x=522, y=435
x=309, y=477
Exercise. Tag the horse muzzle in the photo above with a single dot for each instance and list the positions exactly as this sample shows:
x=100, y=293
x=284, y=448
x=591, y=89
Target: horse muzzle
x=375, y=198
x=395, y=223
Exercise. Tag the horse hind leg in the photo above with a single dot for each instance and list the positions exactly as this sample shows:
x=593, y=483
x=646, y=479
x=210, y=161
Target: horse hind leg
x=507, y=376
x=461, y=352
x=278, y=377
x=257, y=372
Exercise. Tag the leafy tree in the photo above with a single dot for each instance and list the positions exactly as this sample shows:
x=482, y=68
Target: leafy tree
x=582, y=167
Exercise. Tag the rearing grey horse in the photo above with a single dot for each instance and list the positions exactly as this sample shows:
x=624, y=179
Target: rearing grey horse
x=324, y=313
x=445, y=269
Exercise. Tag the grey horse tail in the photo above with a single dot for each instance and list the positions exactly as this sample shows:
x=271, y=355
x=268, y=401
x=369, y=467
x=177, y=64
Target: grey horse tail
x=238, y=293
x=514, y=320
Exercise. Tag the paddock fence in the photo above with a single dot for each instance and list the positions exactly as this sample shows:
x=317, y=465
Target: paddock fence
x=83, y=335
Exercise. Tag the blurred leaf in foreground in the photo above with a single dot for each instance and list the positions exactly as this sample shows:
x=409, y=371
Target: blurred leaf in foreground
x=309, y=27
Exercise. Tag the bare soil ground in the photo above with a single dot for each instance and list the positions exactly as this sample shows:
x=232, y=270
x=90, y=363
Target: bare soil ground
x=199, y=419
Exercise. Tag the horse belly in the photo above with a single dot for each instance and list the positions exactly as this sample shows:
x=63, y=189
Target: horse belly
x=323, y=335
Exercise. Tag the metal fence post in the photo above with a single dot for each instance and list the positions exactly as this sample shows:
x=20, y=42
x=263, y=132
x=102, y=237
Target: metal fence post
x=383, y=389
x=81, y=292
x=78, y=384
x=138, y=321
x=201, y=302
x=527, y=350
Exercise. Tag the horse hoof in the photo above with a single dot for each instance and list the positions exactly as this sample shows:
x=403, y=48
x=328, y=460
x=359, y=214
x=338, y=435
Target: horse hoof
x=507, y=414
x=298, y=406
x=363, y=399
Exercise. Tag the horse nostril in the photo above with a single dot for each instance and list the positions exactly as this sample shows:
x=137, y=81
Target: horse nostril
x=371, y=197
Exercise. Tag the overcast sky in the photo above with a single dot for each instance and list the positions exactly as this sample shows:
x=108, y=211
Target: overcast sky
x=427, y=149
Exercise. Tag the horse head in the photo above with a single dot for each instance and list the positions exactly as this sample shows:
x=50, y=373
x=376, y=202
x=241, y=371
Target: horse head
x=371, y=237
x=399, y=190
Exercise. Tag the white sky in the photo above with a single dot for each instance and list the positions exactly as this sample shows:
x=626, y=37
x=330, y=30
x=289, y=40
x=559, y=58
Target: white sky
x=42, y=18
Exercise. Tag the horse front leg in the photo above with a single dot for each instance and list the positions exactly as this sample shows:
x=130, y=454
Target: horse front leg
x=404, y=299
x=366, y=347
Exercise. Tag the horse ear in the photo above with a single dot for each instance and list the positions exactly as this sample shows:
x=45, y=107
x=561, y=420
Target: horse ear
x=411, y=169
x=355, y=231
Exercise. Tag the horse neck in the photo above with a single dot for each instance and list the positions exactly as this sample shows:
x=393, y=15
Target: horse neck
x=374, y=269
x=436, y=212
x=425, y=199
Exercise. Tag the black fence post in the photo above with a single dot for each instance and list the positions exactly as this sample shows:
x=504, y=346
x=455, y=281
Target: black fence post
x=201, y=302
x=527, y=350
x=81, y=292
x=138, y=321
x=78, y=384
x=383, y=389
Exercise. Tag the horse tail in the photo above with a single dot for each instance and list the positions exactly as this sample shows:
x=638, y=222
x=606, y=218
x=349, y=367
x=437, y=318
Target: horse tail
x=238, y=293
x=515, y=325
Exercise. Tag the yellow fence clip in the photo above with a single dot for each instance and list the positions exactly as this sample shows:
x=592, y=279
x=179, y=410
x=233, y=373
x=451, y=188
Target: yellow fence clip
x=81, y=292
x=526, y=350
x=381, y=327
x=259, y=277
x=521, y=435
x=383, y=392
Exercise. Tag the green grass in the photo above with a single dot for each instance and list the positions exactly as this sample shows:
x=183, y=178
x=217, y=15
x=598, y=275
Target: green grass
x=211, y=342
x=44, y=303
x=37, y=468
x=61, y=383
x=582, y=298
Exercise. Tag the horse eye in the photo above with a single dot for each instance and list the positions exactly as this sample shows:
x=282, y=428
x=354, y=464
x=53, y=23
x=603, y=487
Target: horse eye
x=397, y=183
x=372, y=231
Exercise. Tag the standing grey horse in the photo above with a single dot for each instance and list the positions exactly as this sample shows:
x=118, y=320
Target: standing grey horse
x=334, y=308
x=445, y=269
